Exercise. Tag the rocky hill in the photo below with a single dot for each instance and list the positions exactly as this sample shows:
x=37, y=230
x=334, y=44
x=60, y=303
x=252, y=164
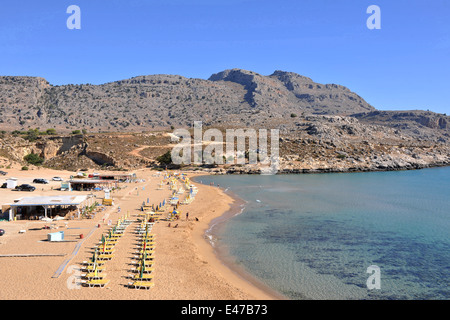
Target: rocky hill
x=323, y=127
x=161, y=101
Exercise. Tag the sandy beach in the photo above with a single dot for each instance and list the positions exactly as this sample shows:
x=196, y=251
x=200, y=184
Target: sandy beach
x=186, y=265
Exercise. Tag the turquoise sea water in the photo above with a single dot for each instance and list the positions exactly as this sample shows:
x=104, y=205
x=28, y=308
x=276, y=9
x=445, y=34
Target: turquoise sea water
x=313, y=236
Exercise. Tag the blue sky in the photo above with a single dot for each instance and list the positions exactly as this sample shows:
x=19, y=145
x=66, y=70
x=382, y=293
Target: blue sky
x=405, y=65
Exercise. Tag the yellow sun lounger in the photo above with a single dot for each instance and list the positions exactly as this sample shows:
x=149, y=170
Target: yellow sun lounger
x=90, y=263
x=150, y=253
x=148, y=265
x=111, y=242
x=106, y=251
x=150, y=242
x=148, y=247
x=91, y=267
x=144, y=277
x=95, y=283
x=114, y=237
x=149, y=235
x=105, y=256
x=147, y=271
x=93, y=276
x=141, y=285
x=100, y=246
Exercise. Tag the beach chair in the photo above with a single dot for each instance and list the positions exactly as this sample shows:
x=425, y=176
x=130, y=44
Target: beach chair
x=150, y=252
x=92, y=263
x=142, y=277
x=91, y=268
x=105, y=256
x=149, y=242
x=94, y=276
x=148, y=247
x=141, y=285
x=101, y=250
x=111, y=241
x=95, y=283
x=148, y=270
x=148, y=265
x=148, y=235
x=114, y=236
x=100, y=246
x=118, y=232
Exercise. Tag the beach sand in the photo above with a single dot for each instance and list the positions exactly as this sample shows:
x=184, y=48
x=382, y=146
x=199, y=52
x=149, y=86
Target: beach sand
x=186, y=265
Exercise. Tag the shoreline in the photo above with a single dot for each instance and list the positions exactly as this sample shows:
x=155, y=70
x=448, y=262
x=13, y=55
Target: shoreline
x=300, y=171
x=241, y=278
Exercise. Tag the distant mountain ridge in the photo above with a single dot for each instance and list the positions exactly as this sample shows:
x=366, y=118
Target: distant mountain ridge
x=322, y=127
x=233, y=96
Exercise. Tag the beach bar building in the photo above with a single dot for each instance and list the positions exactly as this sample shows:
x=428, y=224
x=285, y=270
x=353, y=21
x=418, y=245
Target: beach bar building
x=120, y=177
x=91, y=184
x=46, y=206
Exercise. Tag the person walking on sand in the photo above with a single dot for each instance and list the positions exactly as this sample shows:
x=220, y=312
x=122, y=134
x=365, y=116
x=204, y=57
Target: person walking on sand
x=187, y=216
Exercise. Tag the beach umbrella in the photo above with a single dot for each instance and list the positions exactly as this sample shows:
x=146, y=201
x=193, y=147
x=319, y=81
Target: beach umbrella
x=95, y=271
x=142, y=269
x=94, y=256
x=143, y=263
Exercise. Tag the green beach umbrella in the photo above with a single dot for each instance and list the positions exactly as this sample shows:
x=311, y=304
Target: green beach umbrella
x=95, y=271
x=94, y=257
x=141, y=275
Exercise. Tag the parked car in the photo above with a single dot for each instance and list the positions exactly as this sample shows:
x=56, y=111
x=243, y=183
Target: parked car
x=3, y=173
x=40, y=181
x=25, y=187
x=2, y=232
x=57, y=179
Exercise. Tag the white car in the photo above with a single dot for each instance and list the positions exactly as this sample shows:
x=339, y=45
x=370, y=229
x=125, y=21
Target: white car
x=57, y=179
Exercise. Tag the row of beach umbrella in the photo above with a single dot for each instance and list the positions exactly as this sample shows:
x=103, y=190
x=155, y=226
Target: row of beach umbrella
x=104, y=251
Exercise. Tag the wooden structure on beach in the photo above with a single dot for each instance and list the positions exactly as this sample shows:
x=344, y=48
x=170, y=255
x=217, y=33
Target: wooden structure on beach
x=29, y=207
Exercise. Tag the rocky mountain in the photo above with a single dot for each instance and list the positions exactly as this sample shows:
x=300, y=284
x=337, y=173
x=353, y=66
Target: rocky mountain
x=323, y=127
x=161, y=101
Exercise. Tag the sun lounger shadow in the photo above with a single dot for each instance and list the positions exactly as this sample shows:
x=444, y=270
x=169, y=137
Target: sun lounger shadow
x=101, y=283
x=141, y=285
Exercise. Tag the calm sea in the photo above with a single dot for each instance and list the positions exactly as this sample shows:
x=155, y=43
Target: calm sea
x=314, y=236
